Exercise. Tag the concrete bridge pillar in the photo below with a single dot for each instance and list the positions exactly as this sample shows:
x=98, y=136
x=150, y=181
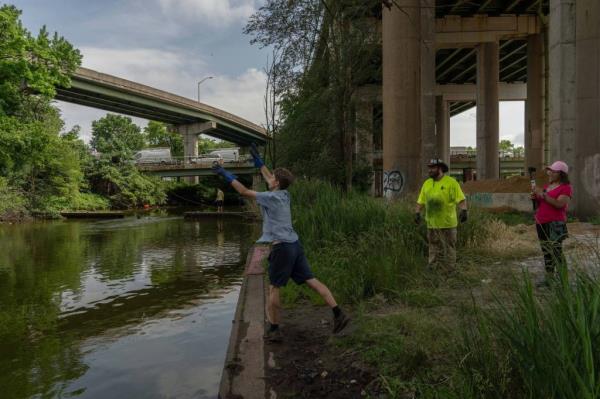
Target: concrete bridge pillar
x=488, y=122
x=442, y=129
x=190, y=135
x=535, y=103
x=408, y=92
x=585, y=173
x=562, y=68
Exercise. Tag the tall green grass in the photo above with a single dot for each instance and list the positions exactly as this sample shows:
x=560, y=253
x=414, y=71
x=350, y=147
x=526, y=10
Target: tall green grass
x=358, y=245
x=538, y=346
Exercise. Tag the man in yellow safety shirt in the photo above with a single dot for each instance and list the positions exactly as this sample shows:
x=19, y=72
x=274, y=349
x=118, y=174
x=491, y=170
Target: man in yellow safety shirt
x=439, y=196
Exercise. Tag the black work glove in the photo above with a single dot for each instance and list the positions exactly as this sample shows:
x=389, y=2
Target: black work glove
x=418, y=218
x=463, y=216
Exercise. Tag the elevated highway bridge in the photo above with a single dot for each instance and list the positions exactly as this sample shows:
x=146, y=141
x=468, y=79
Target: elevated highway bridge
x=186, y=116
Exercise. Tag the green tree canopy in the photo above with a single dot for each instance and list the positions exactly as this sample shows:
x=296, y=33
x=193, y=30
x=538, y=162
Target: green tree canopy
x=506, y=145
x=157, y=135
x=116, y=136
x=31, y=65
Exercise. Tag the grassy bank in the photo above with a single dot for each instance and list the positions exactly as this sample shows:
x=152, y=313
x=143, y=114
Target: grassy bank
x=482, y=332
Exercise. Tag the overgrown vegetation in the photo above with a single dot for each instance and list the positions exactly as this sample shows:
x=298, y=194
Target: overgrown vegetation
x=364, y=246
x=482, y=332
x=323, y=51
x=46, y=169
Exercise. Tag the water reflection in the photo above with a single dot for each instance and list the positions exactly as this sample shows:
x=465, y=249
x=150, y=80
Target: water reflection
x=128, y=308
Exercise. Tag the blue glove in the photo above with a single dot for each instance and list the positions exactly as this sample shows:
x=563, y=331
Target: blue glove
x=219, y=170
x=258, y=162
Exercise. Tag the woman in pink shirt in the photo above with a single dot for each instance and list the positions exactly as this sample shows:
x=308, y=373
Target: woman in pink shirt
x=551, y=214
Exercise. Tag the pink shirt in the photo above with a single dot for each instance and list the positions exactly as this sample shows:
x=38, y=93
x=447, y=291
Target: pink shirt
x=547, y=213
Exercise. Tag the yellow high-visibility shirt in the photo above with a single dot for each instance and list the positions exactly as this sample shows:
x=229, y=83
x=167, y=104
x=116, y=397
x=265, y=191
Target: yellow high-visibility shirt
x=440, y=199
x=220, y=195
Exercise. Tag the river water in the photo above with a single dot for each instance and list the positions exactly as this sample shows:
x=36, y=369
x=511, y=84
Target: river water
x=130, y=308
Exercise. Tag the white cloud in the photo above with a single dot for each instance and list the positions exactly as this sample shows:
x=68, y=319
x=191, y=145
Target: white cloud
x=512, y=125
x=174, y=72
x=210, y=12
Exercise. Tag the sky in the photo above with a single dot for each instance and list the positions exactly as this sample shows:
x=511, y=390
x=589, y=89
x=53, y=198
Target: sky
x=172, y=44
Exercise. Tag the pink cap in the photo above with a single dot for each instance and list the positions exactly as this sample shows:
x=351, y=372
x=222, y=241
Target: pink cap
x=558, y=166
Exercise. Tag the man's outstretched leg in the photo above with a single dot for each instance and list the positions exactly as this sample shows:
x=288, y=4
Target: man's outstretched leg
x=273, y=315
x=340, y=320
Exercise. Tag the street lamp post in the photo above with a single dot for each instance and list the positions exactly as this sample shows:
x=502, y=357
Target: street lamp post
x=200, y=82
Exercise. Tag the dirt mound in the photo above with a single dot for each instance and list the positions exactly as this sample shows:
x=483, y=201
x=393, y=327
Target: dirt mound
x=514, y=184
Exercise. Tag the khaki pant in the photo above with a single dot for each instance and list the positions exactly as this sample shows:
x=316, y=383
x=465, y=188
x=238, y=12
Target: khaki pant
x=442, y=249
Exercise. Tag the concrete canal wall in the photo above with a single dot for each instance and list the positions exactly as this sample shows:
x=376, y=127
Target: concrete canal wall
x=244, y=371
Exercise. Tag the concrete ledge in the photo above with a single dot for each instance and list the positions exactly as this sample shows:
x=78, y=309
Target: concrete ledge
x=517, y=201
x=244, y=371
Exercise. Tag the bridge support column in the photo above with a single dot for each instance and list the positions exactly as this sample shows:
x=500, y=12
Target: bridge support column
x=442, y=128
x=190, y=135
x=562, y=96
x=585, y=168
x=190, y=151
x=488, y=129
x=535, y=103
x=408, y=93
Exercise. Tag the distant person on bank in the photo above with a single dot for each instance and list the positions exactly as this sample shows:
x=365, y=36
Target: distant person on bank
x=287, y=259
x=551, y=215
x=219, y=200
x=439, y=197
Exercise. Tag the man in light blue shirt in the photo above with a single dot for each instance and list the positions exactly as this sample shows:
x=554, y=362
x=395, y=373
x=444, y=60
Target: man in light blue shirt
x=287, y=259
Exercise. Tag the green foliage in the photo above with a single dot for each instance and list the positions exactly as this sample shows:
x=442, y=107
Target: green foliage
x=186, y=194
x=514, y=218
x=323, y=52
x=157, y=135
x=31, y=65
x=206, y=144
x=37, y=160
x=548, y=347
x=13, y=204
x=340, y=230
x=595, y=220
x=116, y=136
x=125, y=186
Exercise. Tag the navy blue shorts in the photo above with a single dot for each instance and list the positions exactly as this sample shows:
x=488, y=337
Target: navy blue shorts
x=288, y=260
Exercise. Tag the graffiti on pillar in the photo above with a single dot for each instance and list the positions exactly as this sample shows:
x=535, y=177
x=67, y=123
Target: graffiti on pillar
x=591, y=175
x=393, y=183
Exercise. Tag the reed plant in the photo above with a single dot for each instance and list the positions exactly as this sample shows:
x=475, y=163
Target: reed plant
x=359, y=245
x=538, y=346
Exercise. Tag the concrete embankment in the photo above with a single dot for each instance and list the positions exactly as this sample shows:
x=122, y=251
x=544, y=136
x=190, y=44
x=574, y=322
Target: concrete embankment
x=244, y=371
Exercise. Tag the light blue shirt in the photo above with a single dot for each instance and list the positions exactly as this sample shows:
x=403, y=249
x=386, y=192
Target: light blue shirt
x=277, y=216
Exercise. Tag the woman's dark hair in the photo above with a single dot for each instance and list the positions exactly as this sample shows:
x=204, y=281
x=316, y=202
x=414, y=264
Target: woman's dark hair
x=564, y=178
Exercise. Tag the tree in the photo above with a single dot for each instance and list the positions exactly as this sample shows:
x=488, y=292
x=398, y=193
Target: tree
x=157, y=135
x=116, y=136
x=31, y=65
x=206, y=144
x=324, y=51
x=506, y=146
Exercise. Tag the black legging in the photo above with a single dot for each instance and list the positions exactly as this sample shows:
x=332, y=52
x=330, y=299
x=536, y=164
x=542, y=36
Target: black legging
x=551, y=236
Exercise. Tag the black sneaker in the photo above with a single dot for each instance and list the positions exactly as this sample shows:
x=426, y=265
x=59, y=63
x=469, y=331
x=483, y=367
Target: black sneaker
x=274, y=336
x=340, y=322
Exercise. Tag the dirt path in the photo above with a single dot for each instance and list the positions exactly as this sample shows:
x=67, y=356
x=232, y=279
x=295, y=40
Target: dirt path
x=308, y=364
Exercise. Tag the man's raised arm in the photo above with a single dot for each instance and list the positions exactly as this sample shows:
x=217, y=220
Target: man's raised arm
x=260, y=164
x=232, y=179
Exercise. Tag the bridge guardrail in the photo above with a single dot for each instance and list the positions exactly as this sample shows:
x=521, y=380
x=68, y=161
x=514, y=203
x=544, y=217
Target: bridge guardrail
x=192, y=162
